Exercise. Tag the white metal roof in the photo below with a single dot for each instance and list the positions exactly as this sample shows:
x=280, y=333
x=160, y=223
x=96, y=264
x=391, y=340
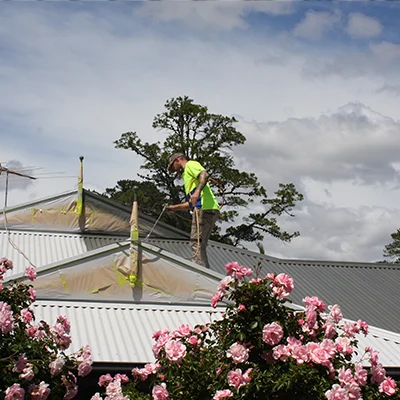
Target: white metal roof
x=43, y=248
x=118, y=332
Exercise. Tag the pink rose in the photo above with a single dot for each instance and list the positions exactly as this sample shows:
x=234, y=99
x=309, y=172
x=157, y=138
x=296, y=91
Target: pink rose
x=85, y=367
x=336, y=393
x=20, y=364
x=315, y=303
x=72, y=391
x=363, y=326
x=6, y=318
x=237, y=271
x=114, y=389
x=30, y=273
x=222, y=394
x=378, y=373
x=361, y=375
x=104, y=380
x=330, y=329
x=32, y=293
x=160, y=392
x=56, y=366
x=235, y=378
x=27, y=373
x=281, y=352
x=159, y=333
x=224, y=284
x=345, y=375
x=216, y=298
x=388, y=386
x=238, y=353
x=64, y=322
x=193, y=340
x=316, y=353
x=40, y=392
x=299, y=353
x=15, y=392
x=335, y=313
x=183, y=331
x=26, y=315
x=282, y=285
x=353, y=391
x=272, y=333
x=175, y=350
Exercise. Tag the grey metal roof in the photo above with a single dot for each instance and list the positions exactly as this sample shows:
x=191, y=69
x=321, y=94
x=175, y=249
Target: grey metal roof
x=122, y=333
x=366, y=291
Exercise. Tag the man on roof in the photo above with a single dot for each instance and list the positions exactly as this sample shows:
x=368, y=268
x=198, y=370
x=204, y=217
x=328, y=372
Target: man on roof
x=200, y=199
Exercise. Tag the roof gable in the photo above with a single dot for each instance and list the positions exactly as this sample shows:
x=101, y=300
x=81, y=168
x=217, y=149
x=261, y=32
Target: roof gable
x=119, y=273
x=100, y=216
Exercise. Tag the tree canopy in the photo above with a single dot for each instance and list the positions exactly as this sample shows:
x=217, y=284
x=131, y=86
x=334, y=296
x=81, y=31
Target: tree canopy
x=210, y=139
x=392, y=250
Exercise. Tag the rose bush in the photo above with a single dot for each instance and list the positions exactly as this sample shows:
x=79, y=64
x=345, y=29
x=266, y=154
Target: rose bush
x=33, y=362
x=260, y=349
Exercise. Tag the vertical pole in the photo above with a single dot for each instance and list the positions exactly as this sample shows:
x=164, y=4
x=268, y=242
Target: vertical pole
x=6, y=197
x=134, y=222
x=134, y=248
x=80, y=188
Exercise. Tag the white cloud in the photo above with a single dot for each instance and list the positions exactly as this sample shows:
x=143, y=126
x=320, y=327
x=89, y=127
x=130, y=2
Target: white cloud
x=73, y=80
x=316, y=24
x=386, y=51
x=353, y=143
x=363, y=26
x=343, y=234
x=219, y=15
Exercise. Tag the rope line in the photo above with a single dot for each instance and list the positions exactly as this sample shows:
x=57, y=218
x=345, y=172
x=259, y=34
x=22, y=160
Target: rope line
x=13, y=244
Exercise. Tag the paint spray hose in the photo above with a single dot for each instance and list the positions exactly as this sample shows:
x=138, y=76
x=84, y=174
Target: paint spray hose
x=196, y=211
x=162, y=212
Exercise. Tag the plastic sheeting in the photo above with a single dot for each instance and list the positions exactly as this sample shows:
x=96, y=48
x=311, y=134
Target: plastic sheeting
x=118, y=277
x=62, y=214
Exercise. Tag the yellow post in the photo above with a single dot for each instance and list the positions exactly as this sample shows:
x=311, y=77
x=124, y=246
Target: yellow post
x=134, y=248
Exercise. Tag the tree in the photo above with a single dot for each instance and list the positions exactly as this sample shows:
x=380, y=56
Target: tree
x=392, y=250
x=208, y=138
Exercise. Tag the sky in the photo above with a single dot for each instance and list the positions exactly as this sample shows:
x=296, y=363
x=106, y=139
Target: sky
x=314, y=86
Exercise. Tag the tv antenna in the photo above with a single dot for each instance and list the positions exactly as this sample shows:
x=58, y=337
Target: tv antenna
x=8, y=172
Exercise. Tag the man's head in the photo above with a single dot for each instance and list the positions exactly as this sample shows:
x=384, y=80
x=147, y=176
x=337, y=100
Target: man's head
x=175, y=162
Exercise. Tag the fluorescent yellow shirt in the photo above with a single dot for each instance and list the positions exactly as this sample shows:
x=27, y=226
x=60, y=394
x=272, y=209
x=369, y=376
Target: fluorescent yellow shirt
x=206, y=200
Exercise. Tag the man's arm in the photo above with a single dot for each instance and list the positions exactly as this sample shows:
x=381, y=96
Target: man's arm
x=179, y=207
x=203, y=179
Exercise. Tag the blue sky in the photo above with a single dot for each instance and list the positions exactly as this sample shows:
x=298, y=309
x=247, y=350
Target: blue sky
x=314, y=85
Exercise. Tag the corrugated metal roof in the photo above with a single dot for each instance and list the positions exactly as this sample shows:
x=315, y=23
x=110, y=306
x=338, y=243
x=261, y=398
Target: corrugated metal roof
x=366, y=291
x=46, y=248
x=122, y=333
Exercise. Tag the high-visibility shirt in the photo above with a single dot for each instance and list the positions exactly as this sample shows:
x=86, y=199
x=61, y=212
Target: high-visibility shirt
x=191, y=172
